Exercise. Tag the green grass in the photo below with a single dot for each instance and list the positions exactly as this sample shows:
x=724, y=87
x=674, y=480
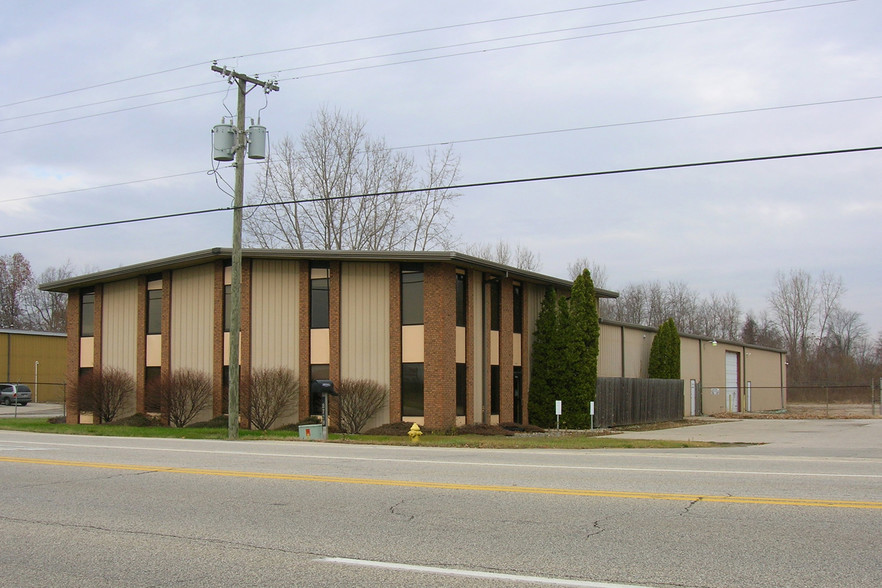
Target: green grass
x=565, y=441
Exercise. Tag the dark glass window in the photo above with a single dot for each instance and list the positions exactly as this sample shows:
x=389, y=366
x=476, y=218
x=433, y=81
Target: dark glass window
x=319, y=371
x=461, y=389
x=411, y=295
x=228, y=305
x=494, y=389
x=494, y=305
x=461, y=305
x=152, y=389
x=517, y=394
x=411, y=389
x=225, y=384
x=319, y=297
x=154, y=312
x=87, y=314
x=517, y=300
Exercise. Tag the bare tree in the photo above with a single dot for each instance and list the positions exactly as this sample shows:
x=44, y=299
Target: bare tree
x=313, y=192
x=15, y=282
x=186, y=394
x=104, y=393
x=599, y=274
x=359, y=401
x=47, y=311
x=273, y=393
x=505, y=253
x=793, y=303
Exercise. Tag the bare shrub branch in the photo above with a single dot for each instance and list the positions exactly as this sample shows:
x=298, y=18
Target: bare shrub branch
x=103, y=393
x=186, y=394
x=359, y=401
x=273, y=394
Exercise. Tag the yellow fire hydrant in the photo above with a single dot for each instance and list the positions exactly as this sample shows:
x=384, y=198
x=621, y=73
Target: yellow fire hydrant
x=415, y=433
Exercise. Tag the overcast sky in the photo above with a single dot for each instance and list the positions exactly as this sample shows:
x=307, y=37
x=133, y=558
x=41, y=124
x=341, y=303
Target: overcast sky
x=648, y=83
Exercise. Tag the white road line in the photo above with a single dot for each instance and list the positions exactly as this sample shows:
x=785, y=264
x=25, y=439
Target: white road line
x=473, y=573
x=474, y=463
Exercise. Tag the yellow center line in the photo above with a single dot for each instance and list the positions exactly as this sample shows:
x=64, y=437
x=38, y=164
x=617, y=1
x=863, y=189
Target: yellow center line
x=469, y=487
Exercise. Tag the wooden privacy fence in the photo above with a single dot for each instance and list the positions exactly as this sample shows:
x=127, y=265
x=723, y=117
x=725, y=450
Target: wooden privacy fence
x=637, y=401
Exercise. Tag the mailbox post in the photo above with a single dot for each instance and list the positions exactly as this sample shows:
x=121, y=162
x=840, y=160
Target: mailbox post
x=325, y=388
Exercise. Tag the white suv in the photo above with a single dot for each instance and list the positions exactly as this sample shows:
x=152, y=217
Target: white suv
x=15, y=393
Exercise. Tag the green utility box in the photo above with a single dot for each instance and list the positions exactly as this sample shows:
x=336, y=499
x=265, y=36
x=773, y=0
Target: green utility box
x=312, y=433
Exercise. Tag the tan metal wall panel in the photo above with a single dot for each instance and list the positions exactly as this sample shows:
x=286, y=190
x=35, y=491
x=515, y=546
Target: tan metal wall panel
x=413, y=346
x=20, y=351
x=192, y=318
x=609, y=360
x=763, y=371
x=87, y=352
x=275, y=321
x=120, y=326
x=364, y=327
x=690, y=369
x=364, y=321
x=637, y=346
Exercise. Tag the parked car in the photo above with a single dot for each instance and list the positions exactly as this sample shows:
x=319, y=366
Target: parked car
x=15, y=393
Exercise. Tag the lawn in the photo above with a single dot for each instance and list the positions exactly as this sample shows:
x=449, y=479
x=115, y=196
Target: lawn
x=546, y=441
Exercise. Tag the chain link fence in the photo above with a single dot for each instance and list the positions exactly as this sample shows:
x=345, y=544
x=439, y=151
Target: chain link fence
x=835, y=400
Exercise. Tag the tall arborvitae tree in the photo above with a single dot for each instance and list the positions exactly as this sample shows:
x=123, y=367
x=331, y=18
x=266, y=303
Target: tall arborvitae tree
x=545, y=363
x=583, y=337
x=664, y=356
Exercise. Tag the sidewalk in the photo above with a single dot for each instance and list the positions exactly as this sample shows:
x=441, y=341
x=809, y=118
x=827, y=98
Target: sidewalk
x=43, y=410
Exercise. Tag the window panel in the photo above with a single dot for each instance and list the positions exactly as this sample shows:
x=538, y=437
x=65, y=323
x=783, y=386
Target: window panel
x=412, y=389
x=87, y=314
x=411, y=296
x=154, y=312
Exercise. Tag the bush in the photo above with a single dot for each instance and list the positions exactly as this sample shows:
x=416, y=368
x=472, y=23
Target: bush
x=186, y=393
x=104, y=392
x=273, y=393
x=218, y=422
x=137, y=420
x=482, y=429
x=359, y=401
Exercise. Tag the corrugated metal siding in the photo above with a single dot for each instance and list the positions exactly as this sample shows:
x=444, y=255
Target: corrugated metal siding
x=19, y=351
x=609, y=360
x=364, y=327
x=637, y=346
x=275, y=317
x=364, y=321
x=192, y=313
x=120, y=326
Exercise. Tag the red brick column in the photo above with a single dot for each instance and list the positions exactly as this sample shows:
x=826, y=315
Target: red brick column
x=217, y=342
x=303, y=325
x=439, y=319
x=72, y=379
x=334, y=300
x=506, y=354
x=165, y=366
x=245, y=346
x=394, y=343
x=141, y=346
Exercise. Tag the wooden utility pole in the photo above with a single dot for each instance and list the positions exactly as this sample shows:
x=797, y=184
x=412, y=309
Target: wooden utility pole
x=241, y=82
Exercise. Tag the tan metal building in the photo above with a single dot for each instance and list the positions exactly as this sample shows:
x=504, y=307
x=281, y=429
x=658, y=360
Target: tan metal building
x=449, y=334
x=36, y=359
x=718, y=376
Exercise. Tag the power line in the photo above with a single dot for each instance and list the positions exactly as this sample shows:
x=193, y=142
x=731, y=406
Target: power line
x=316, y=45
x=460, y=187
x=497, y=138
x=549, y=32
x=537, y=43
x=409, y=52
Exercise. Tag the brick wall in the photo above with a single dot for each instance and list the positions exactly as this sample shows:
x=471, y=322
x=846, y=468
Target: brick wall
x=439, y=319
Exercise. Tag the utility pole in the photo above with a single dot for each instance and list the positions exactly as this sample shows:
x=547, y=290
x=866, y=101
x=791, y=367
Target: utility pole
x=242, y=81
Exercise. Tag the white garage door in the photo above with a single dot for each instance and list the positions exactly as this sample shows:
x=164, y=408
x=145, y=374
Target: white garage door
x=732, y=381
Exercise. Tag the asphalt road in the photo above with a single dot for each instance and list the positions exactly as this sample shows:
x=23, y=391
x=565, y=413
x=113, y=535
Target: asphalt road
x=802, y=509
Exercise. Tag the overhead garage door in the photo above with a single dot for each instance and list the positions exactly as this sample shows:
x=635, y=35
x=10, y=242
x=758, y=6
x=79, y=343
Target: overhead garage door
x=732, y=404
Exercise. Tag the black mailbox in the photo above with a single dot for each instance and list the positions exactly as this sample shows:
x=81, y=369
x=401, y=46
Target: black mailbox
x=322, y=387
